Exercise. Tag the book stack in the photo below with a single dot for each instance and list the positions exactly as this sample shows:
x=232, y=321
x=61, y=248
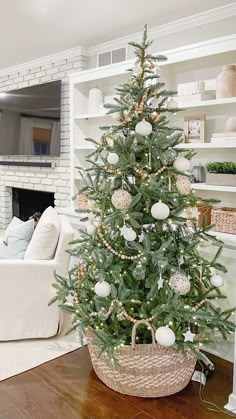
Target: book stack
x=218, y=137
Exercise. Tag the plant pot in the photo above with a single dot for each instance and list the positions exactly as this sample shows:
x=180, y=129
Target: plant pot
x=226, y=82
x=220, y=179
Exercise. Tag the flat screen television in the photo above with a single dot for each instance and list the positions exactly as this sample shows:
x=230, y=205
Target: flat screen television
x=30, y=120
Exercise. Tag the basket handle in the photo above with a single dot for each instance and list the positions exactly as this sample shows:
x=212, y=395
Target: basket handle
x=136, y=324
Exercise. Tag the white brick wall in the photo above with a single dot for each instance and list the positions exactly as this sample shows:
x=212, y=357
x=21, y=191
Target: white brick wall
x=55, y=179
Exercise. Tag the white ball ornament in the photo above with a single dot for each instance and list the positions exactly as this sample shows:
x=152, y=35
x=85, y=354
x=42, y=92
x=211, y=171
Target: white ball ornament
x=160, y=211
x=143, y=128
x=130, y=235
x=182, y=164
x=91, y=229
x=180, y=283
x=121, y=199
x=217, y=281
x=165, y=336
x=113, y=158
x=183, y=185
x=102, y=289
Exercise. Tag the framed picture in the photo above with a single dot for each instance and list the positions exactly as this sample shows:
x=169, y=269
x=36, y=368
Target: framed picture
x=194, y=129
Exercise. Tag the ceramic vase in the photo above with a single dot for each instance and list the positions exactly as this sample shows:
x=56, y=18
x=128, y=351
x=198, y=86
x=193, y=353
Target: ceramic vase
x=95, y=100
x=226, y=82
x=231, y=124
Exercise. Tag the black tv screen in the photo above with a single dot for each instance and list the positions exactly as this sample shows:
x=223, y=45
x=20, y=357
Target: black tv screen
x=30, y=120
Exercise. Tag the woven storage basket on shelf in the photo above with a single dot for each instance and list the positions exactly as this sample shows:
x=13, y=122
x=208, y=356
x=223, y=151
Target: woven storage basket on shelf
x=224, y=220
x=147, y=370
x=205, y=214
x=83, y=202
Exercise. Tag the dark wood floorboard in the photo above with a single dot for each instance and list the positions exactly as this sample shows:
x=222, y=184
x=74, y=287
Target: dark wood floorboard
x=68, y=388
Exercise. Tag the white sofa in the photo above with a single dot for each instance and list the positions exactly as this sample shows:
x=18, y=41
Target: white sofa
x=25, y=290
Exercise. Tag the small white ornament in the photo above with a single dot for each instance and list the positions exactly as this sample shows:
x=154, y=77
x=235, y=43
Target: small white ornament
x=116, y=116
x=143, y=128
x=91, y=229
x=165, y=336
x=188, y=336
x=141, y=237
x=130, y=235
x=182, y=164
x=123, y=230
x=160, y=282
x=113, y=158
x=217, y=281
x=102, y=289
x=160, y=211
x=69, y=299
x=179, y=283
x=121, y=199
x=183, y=185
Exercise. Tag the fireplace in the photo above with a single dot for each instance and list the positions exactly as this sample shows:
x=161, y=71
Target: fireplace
x=26, y=202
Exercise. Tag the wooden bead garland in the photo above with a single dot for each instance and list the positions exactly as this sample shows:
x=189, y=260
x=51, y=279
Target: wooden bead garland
x=112, y=171
x=81, y=271
x=124, y=312
x=145, y=175
x=110, y=248
x=138, y=107
x=200, y=304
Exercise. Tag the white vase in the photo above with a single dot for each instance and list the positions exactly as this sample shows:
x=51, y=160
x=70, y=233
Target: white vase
x=226, y=82
x=231, y=124
x=95, y=100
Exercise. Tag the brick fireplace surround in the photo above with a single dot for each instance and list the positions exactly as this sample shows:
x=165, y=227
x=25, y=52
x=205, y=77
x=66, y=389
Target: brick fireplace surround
x=51, y=179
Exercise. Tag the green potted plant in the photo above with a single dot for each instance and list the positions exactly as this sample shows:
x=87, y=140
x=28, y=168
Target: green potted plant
x=221, y=173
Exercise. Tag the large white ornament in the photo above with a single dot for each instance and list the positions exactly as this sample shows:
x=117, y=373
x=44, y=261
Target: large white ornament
x=165, y=336
x=130, y=235
x=112, y=158
x=217, y=281
x=121, y=199
x=180, y=283
x=182, y=164
x=116, y=116
x=183, y=185
x=91, y=229
x=160, y=211
x=143, y=128
x=102, y=289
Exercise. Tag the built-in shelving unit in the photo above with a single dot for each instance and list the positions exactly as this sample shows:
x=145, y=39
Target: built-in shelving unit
x=206, y=187
x=205, y=103
x=207, y=146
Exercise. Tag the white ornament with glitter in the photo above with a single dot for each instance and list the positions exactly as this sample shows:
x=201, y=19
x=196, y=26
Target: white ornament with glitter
x=121, y=199
x=180, y=283
x=160, y=211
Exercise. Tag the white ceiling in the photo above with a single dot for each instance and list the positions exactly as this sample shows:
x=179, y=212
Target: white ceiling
x=30, y=29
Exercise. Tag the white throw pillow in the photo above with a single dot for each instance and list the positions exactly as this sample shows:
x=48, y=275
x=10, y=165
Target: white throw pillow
x=45, y=238
x=16, y=239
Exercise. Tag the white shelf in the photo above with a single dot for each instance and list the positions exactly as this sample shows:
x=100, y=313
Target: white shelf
x=223, y=144
x=85, y=147
x=92, y=115
x=202, y=103
x=205, y=187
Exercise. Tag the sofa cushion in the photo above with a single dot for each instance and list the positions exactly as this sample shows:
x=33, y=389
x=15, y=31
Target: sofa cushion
x=45, y=238
x=16, y=239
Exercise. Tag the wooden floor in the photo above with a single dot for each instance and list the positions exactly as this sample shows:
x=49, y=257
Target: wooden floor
x=67, y=388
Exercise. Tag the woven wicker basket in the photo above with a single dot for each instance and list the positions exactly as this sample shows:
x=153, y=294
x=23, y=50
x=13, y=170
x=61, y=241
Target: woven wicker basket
x=83, y=202
x=205, y=214
x=224, y=219
x=147, y=370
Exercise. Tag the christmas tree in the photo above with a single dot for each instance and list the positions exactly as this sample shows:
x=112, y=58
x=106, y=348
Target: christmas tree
x=142, y=254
